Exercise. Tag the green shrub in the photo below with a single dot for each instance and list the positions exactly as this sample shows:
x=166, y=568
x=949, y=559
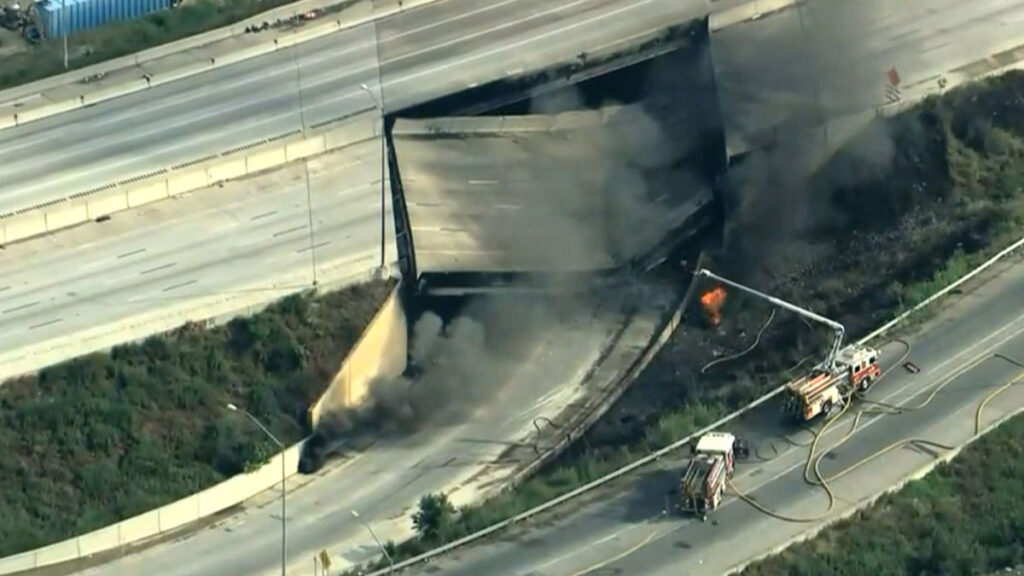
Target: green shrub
x=106, y=436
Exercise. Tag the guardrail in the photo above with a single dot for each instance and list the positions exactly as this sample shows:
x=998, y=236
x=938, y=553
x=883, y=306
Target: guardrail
x=360, y=12
x=185, y=511
x=654, y=456
x=186, y=177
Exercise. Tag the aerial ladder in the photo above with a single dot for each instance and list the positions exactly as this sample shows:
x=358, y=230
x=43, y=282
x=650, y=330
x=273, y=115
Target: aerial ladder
x=830, y=384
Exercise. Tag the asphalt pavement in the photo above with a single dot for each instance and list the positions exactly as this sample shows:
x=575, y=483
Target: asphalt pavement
x=626, y=528
x=101, y=284
x=830, y=60
x=458, y=453
x=418, y=55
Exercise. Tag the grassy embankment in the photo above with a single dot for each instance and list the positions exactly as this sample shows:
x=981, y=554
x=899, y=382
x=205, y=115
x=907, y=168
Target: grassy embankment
x=966, y=517
x=120, y=39
x=107, y=436
x=952, y=196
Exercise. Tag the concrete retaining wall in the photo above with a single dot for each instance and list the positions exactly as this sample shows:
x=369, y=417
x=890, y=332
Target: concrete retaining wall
x=160, y=521
x=380, y=353
x=135, y=192
x=380, y=350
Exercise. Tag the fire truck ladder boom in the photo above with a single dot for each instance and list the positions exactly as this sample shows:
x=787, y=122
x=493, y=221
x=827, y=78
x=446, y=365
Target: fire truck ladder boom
x=838, y=328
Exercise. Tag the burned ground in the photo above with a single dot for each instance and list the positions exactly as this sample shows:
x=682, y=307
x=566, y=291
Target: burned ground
x=953, y=187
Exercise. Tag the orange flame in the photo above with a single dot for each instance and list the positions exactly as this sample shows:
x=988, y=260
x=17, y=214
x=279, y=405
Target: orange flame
x=712, y=301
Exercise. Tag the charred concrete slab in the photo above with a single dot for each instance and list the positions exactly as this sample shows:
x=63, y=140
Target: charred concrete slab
x=572, y=192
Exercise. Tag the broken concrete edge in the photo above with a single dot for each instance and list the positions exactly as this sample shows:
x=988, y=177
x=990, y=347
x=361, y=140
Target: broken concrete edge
x=482, y=125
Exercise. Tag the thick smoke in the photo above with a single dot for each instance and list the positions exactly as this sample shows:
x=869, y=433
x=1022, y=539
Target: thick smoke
x=823, y=136
x=593, y=204
x=780, y=198
x=454, y=367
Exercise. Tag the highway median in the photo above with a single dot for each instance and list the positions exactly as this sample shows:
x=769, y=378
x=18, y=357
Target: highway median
x=945, y=193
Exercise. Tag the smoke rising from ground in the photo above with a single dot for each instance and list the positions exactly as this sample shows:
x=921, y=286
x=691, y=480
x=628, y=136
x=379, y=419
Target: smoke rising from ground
x=779, y=198
x=454, y=367
x=605, y=194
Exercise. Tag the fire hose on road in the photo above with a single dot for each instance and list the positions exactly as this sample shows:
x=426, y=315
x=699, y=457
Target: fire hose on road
x=814, y=458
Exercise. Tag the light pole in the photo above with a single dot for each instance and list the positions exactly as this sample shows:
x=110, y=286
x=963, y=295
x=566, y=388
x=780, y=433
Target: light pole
x=64, y=25
x=384, y=550
x=284, y=492
x=383, y=172
x=305, y=163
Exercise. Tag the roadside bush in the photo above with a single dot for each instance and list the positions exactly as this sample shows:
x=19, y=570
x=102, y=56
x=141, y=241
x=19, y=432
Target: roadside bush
x=106, y=436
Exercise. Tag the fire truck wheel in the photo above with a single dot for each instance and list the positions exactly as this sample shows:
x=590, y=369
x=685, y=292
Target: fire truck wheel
x=826, y=408
x=865, y=384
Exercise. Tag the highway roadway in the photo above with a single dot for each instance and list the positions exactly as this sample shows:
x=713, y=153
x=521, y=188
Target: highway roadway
x=623, y=528
x=456, y=454
x=140, y=272
x=418, y=55
x=829, y=59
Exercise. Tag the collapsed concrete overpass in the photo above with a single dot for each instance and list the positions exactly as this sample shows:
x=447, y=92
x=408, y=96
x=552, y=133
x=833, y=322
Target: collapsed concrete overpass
x=539, y=194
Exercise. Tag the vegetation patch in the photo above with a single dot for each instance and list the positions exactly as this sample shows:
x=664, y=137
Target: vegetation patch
x=123, y=38
x=966, y=517
x=949, y=196
x=104, y=437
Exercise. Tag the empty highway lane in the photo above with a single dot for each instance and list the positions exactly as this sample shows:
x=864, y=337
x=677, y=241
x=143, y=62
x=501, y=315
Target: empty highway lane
x=65, y=294
x=418, y=55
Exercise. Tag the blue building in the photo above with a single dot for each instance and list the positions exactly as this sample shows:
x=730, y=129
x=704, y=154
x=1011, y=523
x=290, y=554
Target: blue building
x=79, y=15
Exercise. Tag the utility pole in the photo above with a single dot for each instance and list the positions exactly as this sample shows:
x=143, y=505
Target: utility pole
x=284, y=476
x=379, y=104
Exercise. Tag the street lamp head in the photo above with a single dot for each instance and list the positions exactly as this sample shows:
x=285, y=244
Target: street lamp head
x=232, y=407
x=364, y=86
x=354, y=514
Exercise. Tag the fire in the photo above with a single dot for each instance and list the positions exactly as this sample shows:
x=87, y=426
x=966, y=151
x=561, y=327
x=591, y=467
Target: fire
x=712, y=301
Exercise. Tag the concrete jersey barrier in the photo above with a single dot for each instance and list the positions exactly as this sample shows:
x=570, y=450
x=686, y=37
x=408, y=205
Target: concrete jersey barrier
x=679, y=443
x=182, y=178
x=232, y=491
x=16, y=103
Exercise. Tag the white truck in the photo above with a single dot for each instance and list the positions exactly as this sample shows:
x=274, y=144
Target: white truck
x=712, y=464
